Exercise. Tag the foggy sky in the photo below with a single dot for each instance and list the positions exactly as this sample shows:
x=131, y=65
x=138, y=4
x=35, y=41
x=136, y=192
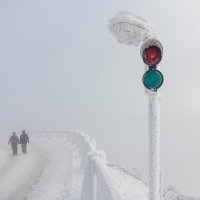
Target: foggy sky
x=60, y=68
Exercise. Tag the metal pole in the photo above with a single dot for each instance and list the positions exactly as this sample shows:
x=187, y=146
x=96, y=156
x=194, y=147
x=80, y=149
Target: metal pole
x=154, y=145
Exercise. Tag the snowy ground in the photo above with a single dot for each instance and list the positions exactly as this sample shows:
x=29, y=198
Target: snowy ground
x=46, y=172
x=131, y=185
x=51, y=171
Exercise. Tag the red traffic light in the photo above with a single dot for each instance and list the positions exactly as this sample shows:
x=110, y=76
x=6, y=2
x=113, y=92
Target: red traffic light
x=151, y=52
x=152, y=55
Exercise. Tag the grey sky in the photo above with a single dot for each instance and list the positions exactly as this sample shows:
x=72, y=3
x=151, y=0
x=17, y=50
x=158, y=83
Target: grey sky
x=61, y=68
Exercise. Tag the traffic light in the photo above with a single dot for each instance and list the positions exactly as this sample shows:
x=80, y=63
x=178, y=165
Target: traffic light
x=152, y=79
x=151, y=52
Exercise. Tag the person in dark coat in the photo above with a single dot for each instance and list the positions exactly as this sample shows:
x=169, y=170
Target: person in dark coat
x=14, y=140
x=24, y=139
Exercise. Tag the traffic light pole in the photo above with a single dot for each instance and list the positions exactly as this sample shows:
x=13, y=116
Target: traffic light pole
x=154, y=145
x=129, y=28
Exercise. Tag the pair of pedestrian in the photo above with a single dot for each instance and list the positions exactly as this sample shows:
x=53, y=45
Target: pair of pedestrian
x=14, y=140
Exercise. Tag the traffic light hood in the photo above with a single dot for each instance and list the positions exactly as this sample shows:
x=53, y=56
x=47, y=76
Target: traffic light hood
x=151, y=52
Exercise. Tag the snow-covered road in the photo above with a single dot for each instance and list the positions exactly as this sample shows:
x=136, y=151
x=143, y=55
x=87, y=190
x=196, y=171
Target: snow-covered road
x=51, y=171
x=47, y=171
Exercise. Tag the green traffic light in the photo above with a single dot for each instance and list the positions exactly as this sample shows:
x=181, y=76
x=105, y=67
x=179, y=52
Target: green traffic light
x=152, y=79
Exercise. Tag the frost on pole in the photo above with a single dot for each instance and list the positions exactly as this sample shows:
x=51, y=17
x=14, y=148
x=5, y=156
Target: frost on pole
x=129, y=28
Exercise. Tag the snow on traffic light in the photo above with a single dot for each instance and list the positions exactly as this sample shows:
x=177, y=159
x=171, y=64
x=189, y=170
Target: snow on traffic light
x=151, y=55
x=151, y=52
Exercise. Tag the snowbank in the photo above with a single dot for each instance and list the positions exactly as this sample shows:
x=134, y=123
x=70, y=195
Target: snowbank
x=53, y=169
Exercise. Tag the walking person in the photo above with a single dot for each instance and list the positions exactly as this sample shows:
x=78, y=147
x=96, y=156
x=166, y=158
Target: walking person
x=14, y=140
x=24, y=139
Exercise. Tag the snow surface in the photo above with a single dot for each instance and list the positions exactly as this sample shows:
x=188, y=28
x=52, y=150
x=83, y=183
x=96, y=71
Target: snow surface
x=48, y=171
x=51, y=171
x=131, y=185
x=130, y=28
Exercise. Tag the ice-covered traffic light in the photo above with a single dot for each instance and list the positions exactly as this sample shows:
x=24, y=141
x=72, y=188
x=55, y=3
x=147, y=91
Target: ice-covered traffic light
x=151, y=52
x=152, y=79
x=151, y=55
